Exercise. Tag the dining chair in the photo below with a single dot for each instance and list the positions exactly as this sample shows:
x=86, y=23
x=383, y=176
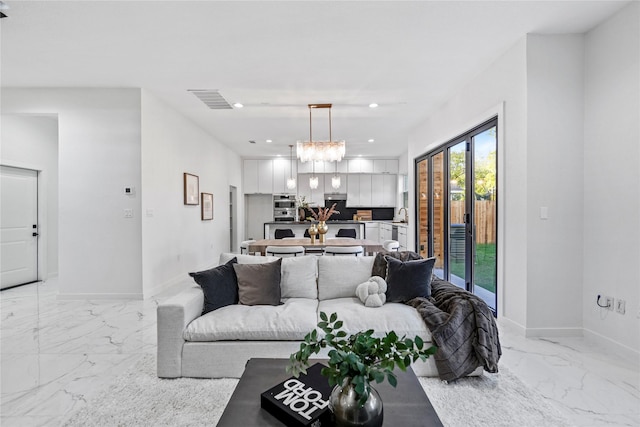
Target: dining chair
x=391, y=245
x=346, y=232
x=244, y=246
x=283, y=232
x=344, y=250
x=284, y=251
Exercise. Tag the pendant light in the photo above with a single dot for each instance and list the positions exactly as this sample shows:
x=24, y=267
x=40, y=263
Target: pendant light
x=335, y=179
x=291, y=182
x=313, y=179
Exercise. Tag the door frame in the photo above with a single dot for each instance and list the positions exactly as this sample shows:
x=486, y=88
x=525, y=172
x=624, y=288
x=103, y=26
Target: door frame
x=495, y=112
x=42, y=239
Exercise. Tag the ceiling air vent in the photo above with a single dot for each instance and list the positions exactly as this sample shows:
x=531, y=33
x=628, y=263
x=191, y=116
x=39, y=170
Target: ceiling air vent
x=212, y=99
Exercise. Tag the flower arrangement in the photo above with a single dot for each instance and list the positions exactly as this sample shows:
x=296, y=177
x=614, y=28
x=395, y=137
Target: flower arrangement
x=324, y=214
x=301, y=202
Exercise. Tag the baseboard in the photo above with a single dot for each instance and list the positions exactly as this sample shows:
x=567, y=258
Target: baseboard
x=168, y=285
x=553, y=332
x=507, y=323
x=616, y=347
x=99, y=296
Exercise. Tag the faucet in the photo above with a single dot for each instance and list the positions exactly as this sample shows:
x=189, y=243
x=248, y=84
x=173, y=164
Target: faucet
x=406, y=214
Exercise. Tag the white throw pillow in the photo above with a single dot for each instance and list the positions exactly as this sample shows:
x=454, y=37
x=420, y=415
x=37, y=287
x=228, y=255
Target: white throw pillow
x=338, y=276
x=372, y=292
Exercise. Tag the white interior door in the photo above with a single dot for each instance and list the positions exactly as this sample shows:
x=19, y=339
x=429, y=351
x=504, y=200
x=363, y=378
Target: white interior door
x=18, y=224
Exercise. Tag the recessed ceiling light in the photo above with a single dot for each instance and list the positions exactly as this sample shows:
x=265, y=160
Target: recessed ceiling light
x=359, y=155
x=371, y=140
x=373, y=105
x=279, y=155
x=268, y=141
x=238, y=105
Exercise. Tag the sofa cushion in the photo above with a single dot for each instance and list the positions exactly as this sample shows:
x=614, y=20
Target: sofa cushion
x=259, y=284
x=380, y=263
x=401, y=318
x=299, y=276
x=409, y=279
x=289, y=321
x=219, y=285
x=338, y=277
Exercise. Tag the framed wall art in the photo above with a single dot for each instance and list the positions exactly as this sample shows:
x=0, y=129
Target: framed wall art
x=206, y=207
x=191, y=189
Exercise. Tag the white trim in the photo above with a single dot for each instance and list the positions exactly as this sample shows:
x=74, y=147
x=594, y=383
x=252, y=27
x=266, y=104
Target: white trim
x=553, y=332
x=615, y=346
x=99, y=296
x=510, y=324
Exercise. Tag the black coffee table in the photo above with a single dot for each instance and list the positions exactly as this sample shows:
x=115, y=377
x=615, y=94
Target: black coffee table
x=406, y=405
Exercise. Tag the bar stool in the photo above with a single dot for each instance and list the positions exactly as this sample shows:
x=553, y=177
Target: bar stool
x=284, y=251
x=391, y=245
x=346, y=232
x=244, y=246
x=283, y=232
x=343, y=250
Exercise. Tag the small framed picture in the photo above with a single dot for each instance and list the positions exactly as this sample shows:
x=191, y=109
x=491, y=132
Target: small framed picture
x=206, y=206
x=191, y=189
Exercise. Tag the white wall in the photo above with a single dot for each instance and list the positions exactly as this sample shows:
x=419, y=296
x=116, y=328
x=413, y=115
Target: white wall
x=31, y=142
x=174, y=238
x=611, y=176
x=99, y=251
x=554, y=180
x=503, y=82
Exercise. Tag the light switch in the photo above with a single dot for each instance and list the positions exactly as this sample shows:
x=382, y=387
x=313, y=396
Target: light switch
x=544, y=212
x=128, y=213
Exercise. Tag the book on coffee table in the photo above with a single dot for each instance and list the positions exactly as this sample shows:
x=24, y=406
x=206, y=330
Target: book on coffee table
x=302, y=401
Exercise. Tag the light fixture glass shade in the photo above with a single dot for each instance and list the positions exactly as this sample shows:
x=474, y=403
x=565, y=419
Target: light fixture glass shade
x=330, y=151
x=313, y=182
x=335, y=182
x=291, y=183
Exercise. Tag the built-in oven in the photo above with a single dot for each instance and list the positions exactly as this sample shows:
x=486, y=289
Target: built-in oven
x=284, y=201
x=284, y=214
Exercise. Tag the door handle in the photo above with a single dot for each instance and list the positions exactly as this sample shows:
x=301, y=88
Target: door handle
x=34, y=234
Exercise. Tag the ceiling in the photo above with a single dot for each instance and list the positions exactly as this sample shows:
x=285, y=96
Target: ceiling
x=277, y=57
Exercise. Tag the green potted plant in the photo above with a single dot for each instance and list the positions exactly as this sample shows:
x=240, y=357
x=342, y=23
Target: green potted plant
x=356, y=361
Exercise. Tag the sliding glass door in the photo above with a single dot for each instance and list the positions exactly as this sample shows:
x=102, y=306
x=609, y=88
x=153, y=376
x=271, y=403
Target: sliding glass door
x=456, y=209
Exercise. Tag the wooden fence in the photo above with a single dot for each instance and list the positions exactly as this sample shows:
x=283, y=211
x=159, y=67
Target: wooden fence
x=485, y=218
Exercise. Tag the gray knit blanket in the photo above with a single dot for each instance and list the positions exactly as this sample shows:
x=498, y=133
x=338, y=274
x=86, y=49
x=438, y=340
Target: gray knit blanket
x=463, y=328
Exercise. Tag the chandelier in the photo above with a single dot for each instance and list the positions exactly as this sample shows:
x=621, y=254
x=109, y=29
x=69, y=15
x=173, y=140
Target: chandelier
x=330, y=151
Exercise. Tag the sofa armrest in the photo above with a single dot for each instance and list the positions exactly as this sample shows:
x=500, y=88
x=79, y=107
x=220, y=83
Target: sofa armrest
x=174, y=315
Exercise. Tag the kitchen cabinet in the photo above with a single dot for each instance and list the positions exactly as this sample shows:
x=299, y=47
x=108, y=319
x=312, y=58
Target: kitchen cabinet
x=281, y=173
x=385, y=231
x=359, y=190
x=360, y=165
x=383, y=191
x=385, y=166
x=372, y=231
x=265, y=176
x=314, y=197
x=328, y=188
x=250, y=176
x=402, y=238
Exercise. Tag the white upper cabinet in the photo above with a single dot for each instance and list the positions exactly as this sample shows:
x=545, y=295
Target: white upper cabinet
x=360, y=165
x=385, y=166
x=265, y=176
x=281, y=173
x=353, y=190
x=328, y=187
x=304, y=167
x=383, y=191
x=343, y=166
x=365, y=190
x=250, y=176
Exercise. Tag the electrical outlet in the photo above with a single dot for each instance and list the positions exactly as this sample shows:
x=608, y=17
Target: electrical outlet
x=620, y=306
x=128, y=213
x=605, y=302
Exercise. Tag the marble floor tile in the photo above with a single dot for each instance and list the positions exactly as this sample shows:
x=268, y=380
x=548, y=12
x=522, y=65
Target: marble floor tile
x=55, y=355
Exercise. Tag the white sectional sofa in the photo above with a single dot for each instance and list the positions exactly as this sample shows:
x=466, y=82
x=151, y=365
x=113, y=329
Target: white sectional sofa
x=219, y=343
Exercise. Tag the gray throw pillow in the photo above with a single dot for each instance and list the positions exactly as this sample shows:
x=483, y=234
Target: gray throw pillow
x=409, y=279
x=219, y=286
x=380, y=263
x=259, y=284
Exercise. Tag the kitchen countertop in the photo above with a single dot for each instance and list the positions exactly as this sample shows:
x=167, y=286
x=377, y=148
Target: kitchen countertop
x=346, y=221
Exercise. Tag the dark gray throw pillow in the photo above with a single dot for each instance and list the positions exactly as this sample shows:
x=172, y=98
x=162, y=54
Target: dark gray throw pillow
x=409, y=279
x=219, y=285
x=259, y=284
x=380, y=263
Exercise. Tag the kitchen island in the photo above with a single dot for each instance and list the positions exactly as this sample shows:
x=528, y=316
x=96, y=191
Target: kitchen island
x=299, y=228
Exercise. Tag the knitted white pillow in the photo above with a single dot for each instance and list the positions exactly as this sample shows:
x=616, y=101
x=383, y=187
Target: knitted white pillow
x=372, y=292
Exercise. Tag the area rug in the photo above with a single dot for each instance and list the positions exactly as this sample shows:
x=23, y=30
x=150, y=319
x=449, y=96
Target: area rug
x=139, y=398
